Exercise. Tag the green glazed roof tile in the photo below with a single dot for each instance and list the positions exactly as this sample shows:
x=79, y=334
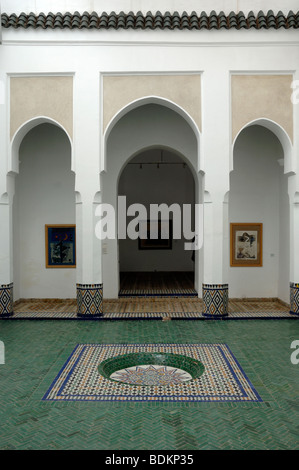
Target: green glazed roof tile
x=151, y=20
x=270, y=14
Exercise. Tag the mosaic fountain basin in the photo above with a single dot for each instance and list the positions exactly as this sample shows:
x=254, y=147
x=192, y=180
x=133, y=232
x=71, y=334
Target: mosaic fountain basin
x=151, y=369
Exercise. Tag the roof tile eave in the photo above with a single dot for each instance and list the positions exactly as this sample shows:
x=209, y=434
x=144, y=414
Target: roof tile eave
x=158, y=20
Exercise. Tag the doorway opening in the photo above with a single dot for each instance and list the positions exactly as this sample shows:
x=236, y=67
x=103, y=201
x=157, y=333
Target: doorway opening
x=259, y=194
x=157, y=266
x=44, y=194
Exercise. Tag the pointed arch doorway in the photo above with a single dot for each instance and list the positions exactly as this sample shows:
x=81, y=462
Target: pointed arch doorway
x=142, y=132
x=155, y=178
x=44, y=194
x=260, y=190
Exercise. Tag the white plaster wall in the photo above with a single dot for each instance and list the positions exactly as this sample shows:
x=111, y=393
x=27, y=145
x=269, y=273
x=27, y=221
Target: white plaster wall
x=258, y=193
x=167, y=184
x=143, y=128
x=88, y=55
x=44, y=195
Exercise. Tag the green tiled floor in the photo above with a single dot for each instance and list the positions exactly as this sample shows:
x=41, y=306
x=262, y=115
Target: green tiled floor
x=36, y=350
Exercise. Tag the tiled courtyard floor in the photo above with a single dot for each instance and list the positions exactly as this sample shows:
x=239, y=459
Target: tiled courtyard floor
x=35, y=352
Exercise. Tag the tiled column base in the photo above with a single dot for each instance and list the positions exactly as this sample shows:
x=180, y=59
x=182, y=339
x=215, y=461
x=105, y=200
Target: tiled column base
x=89, y=300
x=215, y=300
x=6, y=300
x=294, y=298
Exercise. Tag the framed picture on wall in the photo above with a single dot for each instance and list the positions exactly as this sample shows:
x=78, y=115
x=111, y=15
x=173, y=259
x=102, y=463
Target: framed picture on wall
x=246, y=244
x=161, y=235
x=60, y=246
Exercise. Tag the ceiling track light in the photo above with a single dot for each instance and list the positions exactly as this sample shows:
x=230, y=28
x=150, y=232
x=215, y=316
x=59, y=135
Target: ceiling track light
x=184, y=165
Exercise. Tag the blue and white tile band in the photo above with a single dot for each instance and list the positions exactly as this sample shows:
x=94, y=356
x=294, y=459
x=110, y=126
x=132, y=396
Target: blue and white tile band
x=294, y=298
x=6, y=300
x=89, y=300
x=215, y=300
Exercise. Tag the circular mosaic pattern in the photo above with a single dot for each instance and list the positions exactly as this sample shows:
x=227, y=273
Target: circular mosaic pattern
x=151, y=369
x=151, y=375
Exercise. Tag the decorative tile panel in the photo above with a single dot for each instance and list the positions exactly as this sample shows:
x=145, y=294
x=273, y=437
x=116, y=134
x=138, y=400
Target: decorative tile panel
x=215, y=300
x=6, y=300
x=148, y=375
x=89, y=300
x=294, y=298
x=223, y=379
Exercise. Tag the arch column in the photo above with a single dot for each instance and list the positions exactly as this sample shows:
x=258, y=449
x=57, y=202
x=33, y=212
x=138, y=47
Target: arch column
x=293, y=189
x=216, y=142
x=89, y=287
x=6, y=238
x=6, y=260
x=294, y=253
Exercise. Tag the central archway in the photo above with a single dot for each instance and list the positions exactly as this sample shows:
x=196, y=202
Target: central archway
x=146, y=127
x=161, y=181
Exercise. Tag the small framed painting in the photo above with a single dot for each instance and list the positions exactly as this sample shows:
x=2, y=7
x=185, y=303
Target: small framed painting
x=246, y=244
x=155, y=235
x=60, y=246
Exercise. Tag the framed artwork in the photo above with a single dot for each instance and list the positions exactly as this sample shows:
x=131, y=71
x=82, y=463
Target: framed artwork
x=162, y=231
x=246, y=244
x=60, y=246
